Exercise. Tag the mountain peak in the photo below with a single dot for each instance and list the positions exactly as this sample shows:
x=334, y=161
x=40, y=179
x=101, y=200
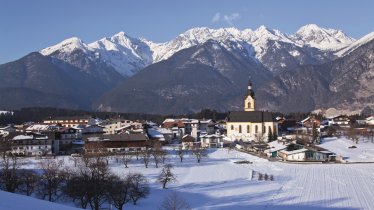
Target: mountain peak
x=67, y=45
x=322, y=38
x=309, y=28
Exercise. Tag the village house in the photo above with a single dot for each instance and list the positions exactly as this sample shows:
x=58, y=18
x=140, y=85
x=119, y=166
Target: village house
x=176, y=126
x=119, y=125
x=89, y=129
x=275, y=147
x=116, y=143
x=310, y=121
x=193, y=127
x=250, y=125
x=370, y=120
x=7, y=130
x=32, y=145
x=211, y=140
x=297, y=152
x=42, y=128
x=71, y=121
x=67, y=141
x=339, y=120
x=188, y=141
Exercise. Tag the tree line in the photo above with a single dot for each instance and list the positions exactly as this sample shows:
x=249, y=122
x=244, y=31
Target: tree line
x=38, y=114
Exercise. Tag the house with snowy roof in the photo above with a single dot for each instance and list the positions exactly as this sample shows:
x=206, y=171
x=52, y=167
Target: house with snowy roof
x=370, y=120
x=211, y=140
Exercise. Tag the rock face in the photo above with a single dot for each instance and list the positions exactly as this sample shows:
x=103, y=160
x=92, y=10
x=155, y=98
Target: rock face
x=346, y=83
x=36, y=80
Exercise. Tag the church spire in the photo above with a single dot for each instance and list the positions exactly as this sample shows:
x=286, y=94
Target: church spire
x=249, y=99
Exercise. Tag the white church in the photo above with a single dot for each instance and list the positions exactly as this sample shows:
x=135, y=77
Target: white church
x=250, y=125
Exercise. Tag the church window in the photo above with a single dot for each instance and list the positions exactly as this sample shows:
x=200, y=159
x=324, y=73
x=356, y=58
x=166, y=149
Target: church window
x=248, y=129
x=249, y=104
x=232, y=127
x=263, y=129
x=240, y=129
x=256, y=129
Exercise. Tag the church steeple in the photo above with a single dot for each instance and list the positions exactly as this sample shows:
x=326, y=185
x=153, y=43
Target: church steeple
x=249, y=98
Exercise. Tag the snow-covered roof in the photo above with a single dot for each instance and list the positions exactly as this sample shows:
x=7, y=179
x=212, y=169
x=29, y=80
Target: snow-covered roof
x=211, y=136
x=123, y=127
x=294, y=151
x=22, y=137
x=276, y=146
x=306, y=119
x=38, y=127
x=28, y=137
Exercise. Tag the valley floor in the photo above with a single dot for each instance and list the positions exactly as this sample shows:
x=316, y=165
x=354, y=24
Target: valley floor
x=219, y=183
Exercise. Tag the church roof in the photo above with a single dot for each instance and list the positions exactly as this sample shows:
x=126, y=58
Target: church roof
x=253, y=116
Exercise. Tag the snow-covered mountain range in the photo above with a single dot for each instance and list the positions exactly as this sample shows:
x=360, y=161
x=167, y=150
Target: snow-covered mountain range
x=127, y=55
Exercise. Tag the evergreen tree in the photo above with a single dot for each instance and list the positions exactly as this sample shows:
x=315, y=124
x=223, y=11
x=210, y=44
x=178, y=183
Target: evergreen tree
x=270, y=136
x=314, y=134
x=275, y=136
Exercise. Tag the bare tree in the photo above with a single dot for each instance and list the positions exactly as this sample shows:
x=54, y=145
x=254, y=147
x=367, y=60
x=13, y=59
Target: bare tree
x=119, y=191
x=199, y=152
x=371, y=134
x=75, y=160
x=145, y=157
x=9, y=165
x=174, y=202
x=78, y=188
x=166, y=175
x=9, y=177
x=156, y=157
x=353, y=135
x=181, y=152
x=163, y=155
x=51, y=180
x=28, y=182
x=126, y=158
x=98, y=172
x=137, y=153
x=139, y=187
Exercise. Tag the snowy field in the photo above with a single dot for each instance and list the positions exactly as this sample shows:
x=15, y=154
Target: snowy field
x=363, y=153
x=11, y=201
x=218, y=183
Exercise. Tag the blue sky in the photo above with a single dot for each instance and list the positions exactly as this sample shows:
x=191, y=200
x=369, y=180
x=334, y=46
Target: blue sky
x=29, y=25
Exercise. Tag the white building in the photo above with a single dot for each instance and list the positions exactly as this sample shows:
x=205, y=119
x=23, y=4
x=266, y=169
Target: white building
x=31, y=145
x=117, y=125
x=211, y=140
x=71, y=121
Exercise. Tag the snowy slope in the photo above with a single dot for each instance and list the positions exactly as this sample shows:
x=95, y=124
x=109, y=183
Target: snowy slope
x=218, y=183
x=129, y=55
x=356, y=44
x=321, y=38
x=11, y=201
x=126, y=54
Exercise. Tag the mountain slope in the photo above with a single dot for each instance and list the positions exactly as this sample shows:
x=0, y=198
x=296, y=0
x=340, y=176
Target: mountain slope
x=345, y=84
x=203, y=76
x=36, y=80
